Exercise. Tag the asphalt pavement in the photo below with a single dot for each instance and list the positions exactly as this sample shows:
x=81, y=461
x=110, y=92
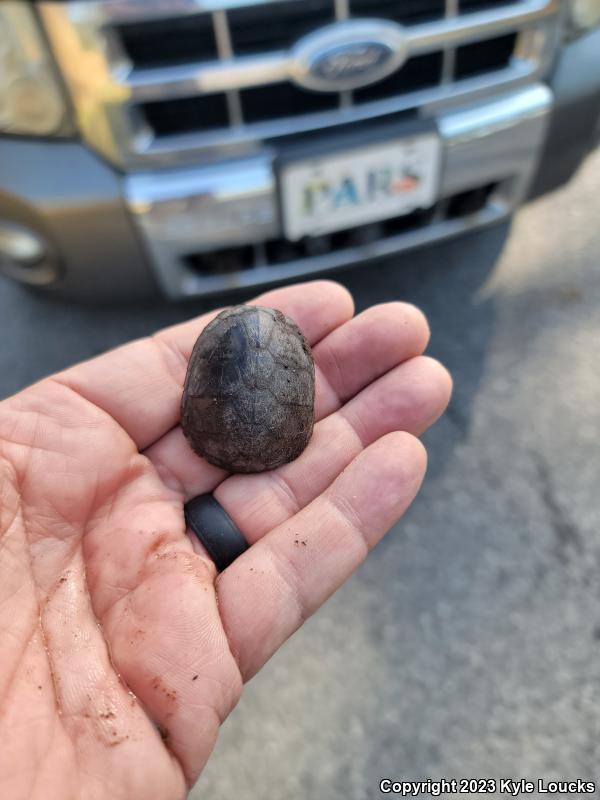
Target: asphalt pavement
x=469, y=643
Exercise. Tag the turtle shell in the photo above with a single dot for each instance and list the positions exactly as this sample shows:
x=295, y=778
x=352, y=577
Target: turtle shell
x=248, y=399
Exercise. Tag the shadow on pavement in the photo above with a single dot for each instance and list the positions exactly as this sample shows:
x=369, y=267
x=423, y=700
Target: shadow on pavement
x=445, y=282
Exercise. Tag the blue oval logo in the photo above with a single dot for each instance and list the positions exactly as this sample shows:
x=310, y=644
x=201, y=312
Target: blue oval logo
x=348, y=62
x=348, y=55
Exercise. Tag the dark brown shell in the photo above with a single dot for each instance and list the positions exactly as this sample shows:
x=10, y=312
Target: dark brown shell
x=249, y=394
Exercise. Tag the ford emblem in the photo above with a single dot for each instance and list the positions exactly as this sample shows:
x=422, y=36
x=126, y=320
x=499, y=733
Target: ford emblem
x=352, y=62
x=348, y=55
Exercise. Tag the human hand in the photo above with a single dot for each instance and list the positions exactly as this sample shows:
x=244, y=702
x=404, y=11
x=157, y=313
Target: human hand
x=122, y=649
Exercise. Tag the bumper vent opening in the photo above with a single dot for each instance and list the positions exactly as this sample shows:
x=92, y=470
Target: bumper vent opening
x=471, y=202
x=223, y=262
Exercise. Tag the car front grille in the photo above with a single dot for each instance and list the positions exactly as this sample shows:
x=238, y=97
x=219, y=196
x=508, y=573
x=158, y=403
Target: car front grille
x=272, y=27
x=263, y=28
x=158, y=82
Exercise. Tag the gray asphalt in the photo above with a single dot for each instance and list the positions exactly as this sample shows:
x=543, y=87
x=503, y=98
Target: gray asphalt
x=469, y=644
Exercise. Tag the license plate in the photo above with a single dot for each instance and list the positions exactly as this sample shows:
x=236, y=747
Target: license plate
x=355, y=187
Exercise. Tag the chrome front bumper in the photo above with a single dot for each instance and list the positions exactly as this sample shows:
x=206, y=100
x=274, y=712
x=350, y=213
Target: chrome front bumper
x=186, y=212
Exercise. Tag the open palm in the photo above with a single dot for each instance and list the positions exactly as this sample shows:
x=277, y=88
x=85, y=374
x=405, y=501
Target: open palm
x=122, y=651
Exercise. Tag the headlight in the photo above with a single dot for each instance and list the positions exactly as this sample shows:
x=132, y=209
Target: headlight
x=585, y=14
x=31, y=100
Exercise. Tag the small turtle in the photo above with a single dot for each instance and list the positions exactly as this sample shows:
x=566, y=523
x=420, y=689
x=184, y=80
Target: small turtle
x=249, y=394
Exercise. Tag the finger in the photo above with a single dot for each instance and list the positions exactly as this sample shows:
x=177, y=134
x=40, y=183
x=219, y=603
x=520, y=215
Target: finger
x=140, y=384
x=368, y=346
x=268, y=592
x=410, y=398
x=347, y=360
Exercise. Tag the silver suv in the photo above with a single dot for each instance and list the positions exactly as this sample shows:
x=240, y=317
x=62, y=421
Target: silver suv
x=192, y=146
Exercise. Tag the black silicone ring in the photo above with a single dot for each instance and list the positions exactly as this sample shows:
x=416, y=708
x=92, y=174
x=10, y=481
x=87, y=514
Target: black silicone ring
x=215, y=529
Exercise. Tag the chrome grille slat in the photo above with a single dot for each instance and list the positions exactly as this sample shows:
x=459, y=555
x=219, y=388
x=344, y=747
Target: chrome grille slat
x=223, y=37
x=117, y=12
x=342, y=9
x=342, y=12
x=452, y=10
x=110, y=92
